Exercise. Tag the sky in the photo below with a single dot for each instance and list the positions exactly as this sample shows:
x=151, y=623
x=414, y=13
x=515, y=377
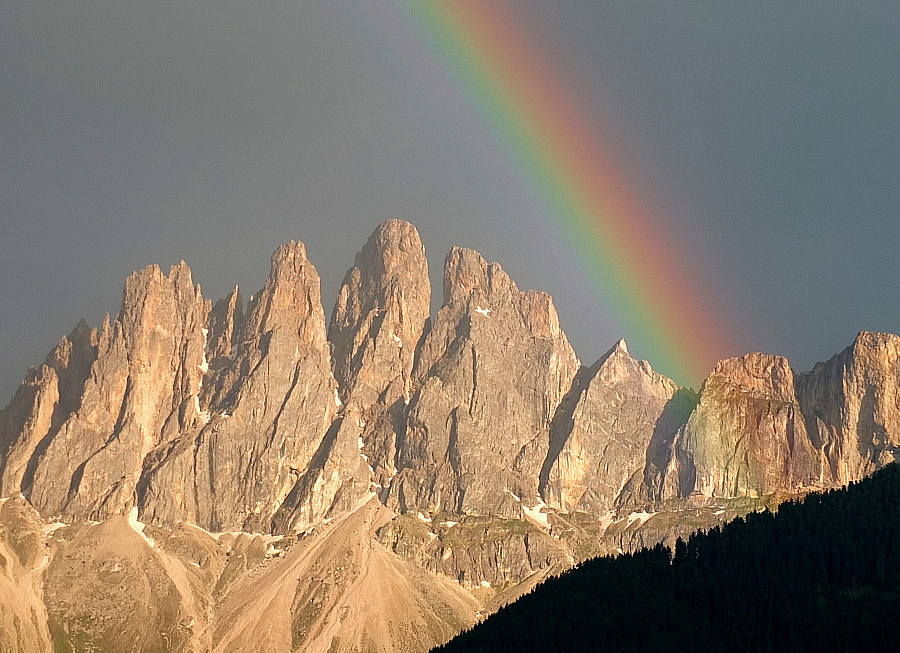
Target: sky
x=764, y=136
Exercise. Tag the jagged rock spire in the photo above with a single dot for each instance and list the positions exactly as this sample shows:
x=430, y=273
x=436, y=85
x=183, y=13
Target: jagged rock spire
x=142, y=390
x=602, y=434
x=267, y=419
x=490, y=376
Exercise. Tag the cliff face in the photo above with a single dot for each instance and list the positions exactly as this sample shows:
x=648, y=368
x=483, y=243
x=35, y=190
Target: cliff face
x=251, y=453
x=603, y=438
x=142, y=390
x=459, y=460
x=488, y=379
x=747, y=436
x=852, y=407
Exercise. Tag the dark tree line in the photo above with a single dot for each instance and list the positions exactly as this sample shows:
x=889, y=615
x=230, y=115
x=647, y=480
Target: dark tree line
x=823, y=574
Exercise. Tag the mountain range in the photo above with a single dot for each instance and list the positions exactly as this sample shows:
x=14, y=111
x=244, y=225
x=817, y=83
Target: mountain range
x=242, y=476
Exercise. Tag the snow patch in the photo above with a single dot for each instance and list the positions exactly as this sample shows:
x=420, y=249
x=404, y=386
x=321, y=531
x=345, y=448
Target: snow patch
x=606, y=520
x=484, y=583
x=425, y=519
x=449, y=524
x=204, y=366
x=337, y=400
x=203, y=415
x=50, y=529
x=536, y=514
x=639, y=517
x=398, y=341
x=513, y=495
x=719, y=512
x=138, y=527
x=484, y=311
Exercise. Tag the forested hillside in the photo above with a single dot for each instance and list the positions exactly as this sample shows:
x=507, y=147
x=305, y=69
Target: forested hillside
x=822, y=574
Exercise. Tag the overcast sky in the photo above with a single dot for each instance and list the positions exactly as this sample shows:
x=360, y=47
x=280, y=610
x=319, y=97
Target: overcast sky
x=149, y=132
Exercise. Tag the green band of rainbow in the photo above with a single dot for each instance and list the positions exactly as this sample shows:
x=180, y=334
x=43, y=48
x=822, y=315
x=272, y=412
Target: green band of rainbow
x=575, y=177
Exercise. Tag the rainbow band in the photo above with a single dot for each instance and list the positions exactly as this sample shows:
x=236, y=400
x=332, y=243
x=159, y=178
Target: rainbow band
x=574, y=176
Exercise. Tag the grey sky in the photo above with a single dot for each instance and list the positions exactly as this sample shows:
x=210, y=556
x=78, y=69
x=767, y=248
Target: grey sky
x=149, y=132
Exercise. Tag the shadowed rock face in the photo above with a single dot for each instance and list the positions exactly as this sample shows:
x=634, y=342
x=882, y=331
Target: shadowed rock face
x=47, y=397
x=489, y=377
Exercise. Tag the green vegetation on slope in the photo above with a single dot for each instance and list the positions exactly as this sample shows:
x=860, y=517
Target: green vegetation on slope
x=822, y=574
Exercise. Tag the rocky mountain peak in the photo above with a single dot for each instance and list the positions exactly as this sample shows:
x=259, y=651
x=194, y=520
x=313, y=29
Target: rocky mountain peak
x=748, y=435
x=851, y=407
x=291, y=298
x=142, y=390
x=490, y=375
x=610, y=436
x=762, y=375
x=500, y=458
x=466, y=272
x=226, y=322
x=381, y=311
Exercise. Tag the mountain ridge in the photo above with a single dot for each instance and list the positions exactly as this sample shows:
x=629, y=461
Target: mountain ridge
x=496, y=455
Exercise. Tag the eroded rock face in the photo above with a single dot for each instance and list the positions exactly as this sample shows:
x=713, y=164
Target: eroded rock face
x=747, y=436
x=266, y=420
x=852, y=407
x=381, y=313
x=605, y=439
x=47, y=397
x=489, y=377
x=514, y=461
x=142, y=391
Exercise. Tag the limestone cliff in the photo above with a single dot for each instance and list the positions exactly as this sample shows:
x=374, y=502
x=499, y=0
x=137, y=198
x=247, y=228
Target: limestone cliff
x=603, y=437
x=747, y=436
x=266, y=421
x=488, y=379
x=852, y=408
x=447, y=464
x=142, y=391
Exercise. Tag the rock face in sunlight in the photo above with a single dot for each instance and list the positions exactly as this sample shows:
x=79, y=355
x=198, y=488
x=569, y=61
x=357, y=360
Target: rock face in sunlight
x=142, y=390
x=852, y=407
x=602, y=438
x=489, y=377
x=747, y=436
x=262, y=426
x=190, y=477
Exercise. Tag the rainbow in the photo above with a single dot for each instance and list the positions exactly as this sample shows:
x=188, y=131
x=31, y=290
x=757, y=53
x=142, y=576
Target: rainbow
x=641, y=276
